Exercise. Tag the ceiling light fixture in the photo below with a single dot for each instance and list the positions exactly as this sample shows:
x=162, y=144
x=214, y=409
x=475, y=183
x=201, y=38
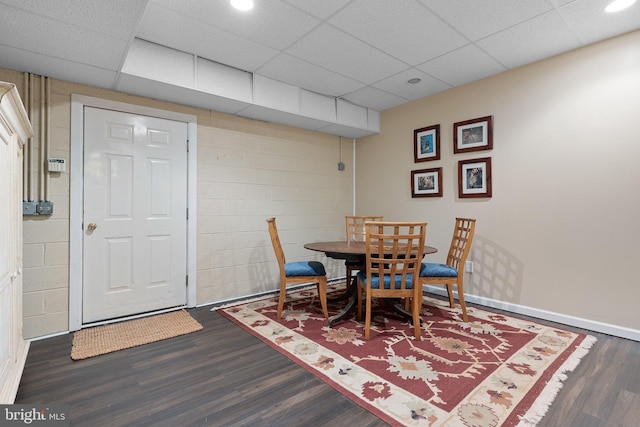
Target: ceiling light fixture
x=414, y=81
x=242, y=4
x=618, y=5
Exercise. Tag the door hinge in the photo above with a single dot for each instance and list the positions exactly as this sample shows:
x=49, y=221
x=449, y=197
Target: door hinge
x=187, y=213
x=187, y=145
x=187, y=280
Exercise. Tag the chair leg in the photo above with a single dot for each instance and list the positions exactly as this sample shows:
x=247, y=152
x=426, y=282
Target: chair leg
x=359, y=300
x=322, y=293
x=367, y=322
x=416, y=303
x=460, y=287
x=283, y=295
x=452, y=303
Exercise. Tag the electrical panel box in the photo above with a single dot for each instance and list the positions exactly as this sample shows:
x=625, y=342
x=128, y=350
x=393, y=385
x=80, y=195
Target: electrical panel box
x=45, y=208
x=57, y=165
x=29, y=208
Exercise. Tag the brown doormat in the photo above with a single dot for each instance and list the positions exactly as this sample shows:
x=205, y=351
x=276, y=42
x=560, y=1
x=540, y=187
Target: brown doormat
x=118, y=336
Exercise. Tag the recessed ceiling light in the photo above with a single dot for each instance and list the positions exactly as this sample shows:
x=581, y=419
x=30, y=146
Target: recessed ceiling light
x=242, y=4
x=414, y=81
x=618, y=5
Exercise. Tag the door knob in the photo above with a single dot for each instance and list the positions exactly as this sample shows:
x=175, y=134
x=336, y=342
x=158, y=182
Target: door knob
x=92, y=226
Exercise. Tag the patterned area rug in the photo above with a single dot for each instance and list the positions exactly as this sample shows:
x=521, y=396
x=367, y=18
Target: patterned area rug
x=105, y=339
x=494, y=370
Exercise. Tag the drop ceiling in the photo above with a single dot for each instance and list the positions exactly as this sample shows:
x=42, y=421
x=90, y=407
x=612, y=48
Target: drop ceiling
x=326, y=65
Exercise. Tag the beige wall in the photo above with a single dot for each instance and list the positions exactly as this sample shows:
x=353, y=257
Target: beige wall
x=247, y=171
x=559, y=234
x=561, y=230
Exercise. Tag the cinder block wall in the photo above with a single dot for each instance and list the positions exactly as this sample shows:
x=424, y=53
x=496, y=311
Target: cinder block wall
x=247, y=171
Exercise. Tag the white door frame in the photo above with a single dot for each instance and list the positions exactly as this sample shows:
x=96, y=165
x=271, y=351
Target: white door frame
x=76, y=202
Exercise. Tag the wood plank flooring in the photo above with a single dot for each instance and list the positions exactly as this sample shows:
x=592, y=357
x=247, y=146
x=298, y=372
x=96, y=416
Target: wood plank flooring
x=224, y=376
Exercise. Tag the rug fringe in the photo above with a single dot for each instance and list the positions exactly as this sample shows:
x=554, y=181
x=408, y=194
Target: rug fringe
x=540, y=407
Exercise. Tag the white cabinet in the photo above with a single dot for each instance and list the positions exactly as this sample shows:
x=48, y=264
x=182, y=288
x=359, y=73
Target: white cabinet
x=15, y=130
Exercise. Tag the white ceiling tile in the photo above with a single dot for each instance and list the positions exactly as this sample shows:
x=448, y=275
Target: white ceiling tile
x=398, y=85
x=257, y=24
x=163, y=26
x=343, y=54
x=321, y=9
x=462, y=66
x=405, y=29
x=478, y=19
x=116, y=18
x=59, y=40
x=44, y=65
x=362, y=51
x=536, y=39
x=377, y=99
x=590, y=24
x=286, y=68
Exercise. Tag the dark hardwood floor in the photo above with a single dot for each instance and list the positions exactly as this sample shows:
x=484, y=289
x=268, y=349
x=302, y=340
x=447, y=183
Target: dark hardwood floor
x=223, y=376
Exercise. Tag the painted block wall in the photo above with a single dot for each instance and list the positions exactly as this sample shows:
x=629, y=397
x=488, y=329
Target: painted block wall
x=247, y=171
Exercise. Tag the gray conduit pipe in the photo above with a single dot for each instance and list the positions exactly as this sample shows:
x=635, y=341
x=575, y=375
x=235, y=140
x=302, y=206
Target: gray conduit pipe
x=31, y=114
x=25, y=162
x=41, y=162
x=47, y=139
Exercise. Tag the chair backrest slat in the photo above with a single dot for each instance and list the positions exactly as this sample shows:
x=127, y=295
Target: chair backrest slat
x=355, y=226
x=275, y=242
x=394, y=249
x=461, y=241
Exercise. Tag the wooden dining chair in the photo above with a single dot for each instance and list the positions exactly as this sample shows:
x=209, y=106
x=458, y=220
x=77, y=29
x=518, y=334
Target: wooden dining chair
x=393, y=260
x=293, y=273
x=356, y=233
x=452, y=273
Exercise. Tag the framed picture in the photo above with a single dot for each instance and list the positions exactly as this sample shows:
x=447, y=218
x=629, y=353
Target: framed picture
x=426, y=144
x=474, y=178
x=473, y=135
x=426, y=183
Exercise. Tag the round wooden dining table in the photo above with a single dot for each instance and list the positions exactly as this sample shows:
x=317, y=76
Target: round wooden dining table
x=350, y=251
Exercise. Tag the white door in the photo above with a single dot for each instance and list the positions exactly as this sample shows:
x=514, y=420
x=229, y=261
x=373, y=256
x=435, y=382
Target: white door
x=135, y=214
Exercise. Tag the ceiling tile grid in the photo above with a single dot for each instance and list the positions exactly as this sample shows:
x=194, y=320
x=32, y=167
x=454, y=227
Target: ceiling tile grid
x=360, y=51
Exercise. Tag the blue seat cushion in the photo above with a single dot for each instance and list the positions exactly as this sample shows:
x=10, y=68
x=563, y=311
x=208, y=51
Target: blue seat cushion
x=428, y=269
x=304, y=268
x=375, y=280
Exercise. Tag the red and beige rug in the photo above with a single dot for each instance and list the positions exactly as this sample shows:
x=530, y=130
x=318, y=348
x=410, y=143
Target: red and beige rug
x=494, y=370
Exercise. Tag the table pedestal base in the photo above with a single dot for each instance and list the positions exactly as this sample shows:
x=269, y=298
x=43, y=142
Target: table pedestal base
x=351, y=294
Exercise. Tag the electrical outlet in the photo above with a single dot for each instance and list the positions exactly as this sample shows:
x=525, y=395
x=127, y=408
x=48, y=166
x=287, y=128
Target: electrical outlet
x=468, y=266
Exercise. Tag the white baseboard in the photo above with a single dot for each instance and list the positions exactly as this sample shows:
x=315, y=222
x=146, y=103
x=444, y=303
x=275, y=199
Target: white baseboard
x=591, y=325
